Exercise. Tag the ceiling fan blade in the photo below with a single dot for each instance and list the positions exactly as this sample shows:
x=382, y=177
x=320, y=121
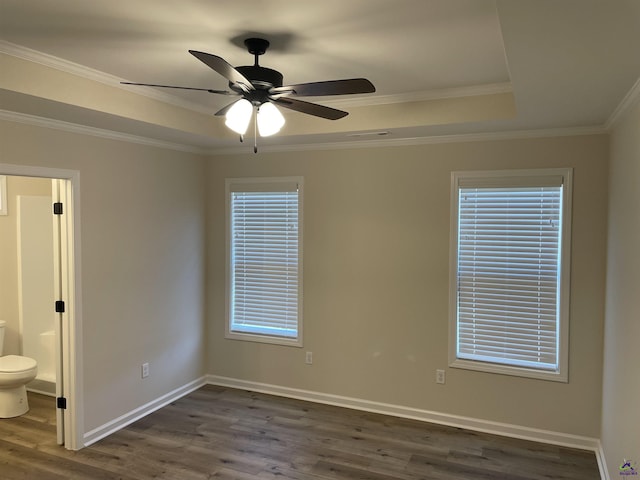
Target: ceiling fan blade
x=310, y=108
x=224, y=110
x=331, y=87
x=220, y=92
x=223, y=68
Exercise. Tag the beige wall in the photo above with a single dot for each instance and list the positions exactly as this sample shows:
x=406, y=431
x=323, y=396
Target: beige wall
x=376, y=250
x=621, y=388
x=9, y=310
x=376, y=274
x=142, y=234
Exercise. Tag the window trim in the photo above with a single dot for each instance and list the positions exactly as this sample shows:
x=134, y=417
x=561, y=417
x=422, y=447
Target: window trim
x=258, y=184
x=502, y=177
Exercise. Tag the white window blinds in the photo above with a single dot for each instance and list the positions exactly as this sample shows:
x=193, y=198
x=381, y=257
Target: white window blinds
x=264, y=258
x=509, y=271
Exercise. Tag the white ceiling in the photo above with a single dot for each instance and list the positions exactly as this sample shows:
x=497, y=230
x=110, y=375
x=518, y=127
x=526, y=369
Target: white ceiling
x=437, y=64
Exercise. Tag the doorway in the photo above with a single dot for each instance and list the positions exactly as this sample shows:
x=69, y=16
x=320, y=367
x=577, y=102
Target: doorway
x=54, y=338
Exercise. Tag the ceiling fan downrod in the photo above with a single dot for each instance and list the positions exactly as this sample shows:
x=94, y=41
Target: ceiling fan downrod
x=256, y=47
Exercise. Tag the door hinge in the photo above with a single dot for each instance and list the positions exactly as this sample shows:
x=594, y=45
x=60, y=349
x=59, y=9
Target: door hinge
x=57, y=208
x=61, y=402
x=59, y=306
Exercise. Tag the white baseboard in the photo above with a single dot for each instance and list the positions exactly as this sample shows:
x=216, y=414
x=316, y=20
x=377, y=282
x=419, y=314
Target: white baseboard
x=486, y=426
x=479, y=425
x=140, y=412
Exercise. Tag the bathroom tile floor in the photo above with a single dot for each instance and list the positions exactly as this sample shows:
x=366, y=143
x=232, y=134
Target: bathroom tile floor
x=225, y=433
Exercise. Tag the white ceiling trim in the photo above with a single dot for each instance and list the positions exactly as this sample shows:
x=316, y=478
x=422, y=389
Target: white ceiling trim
x=95, y=132
x=372, y=143
x=372, y=99
x=79, y=70
x=403, y=142
x=627, y=102
x=95, y=75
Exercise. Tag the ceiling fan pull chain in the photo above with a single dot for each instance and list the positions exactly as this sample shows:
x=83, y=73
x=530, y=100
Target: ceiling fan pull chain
x=255, y=129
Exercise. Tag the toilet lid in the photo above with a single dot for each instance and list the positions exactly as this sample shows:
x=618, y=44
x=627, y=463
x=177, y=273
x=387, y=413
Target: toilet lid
x=16, y=363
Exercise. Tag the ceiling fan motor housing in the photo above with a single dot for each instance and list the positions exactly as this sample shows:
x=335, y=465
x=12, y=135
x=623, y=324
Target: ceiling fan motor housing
x=261, y=78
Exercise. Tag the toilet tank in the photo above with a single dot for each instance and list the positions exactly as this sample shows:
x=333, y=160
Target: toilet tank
x=2, y=324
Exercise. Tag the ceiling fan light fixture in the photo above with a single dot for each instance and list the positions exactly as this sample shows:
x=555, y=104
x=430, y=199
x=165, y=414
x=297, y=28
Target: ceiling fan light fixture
x=239, y=116
x=262, y=87
x=270, y=120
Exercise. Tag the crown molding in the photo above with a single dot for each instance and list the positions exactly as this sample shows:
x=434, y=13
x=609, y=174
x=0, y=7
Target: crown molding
x=79, y=70
x=96, y=132
x=95, y=75
x=58, y=63
x=389, y=141
x=632, y=96
x=439, y=94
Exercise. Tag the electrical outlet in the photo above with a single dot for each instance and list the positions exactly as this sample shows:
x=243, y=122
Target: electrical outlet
x=145, y=370
x=440, y=376
x=308, y=359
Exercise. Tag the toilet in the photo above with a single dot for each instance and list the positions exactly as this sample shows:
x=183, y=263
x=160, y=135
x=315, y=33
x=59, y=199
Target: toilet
x=15, y=372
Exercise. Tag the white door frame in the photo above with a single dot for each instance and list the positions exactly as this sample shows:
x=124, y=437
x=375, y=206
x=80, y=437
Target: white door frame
x=71, y=276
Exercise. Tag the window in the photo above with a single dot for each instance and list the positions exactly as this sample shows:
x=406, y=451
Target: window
x=3, y=195
x=510, y=272
x=264, y=267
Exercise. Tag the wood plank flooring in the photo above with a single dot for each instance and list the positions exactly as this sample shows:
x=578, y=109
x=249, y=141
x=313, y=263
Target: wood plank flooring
x=222, y=433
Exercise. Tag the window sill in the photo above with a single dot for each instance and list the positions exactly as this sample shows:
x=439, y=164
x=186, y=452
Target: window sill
x=553, y=376
x=250, y=337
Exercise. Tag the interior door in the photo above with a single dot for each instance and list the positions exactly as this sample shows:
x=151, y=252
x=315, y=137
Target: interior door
x=56, y=191
x=39, y=286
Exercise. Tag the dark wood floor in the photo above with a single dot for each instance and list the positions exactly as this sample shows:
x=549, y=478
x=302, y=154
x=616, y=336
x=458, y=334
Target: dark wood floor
x=221, y=433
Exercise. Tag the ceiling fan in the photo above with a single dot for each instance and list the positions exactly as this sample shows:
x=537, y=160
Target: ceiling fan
x=261, y=88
